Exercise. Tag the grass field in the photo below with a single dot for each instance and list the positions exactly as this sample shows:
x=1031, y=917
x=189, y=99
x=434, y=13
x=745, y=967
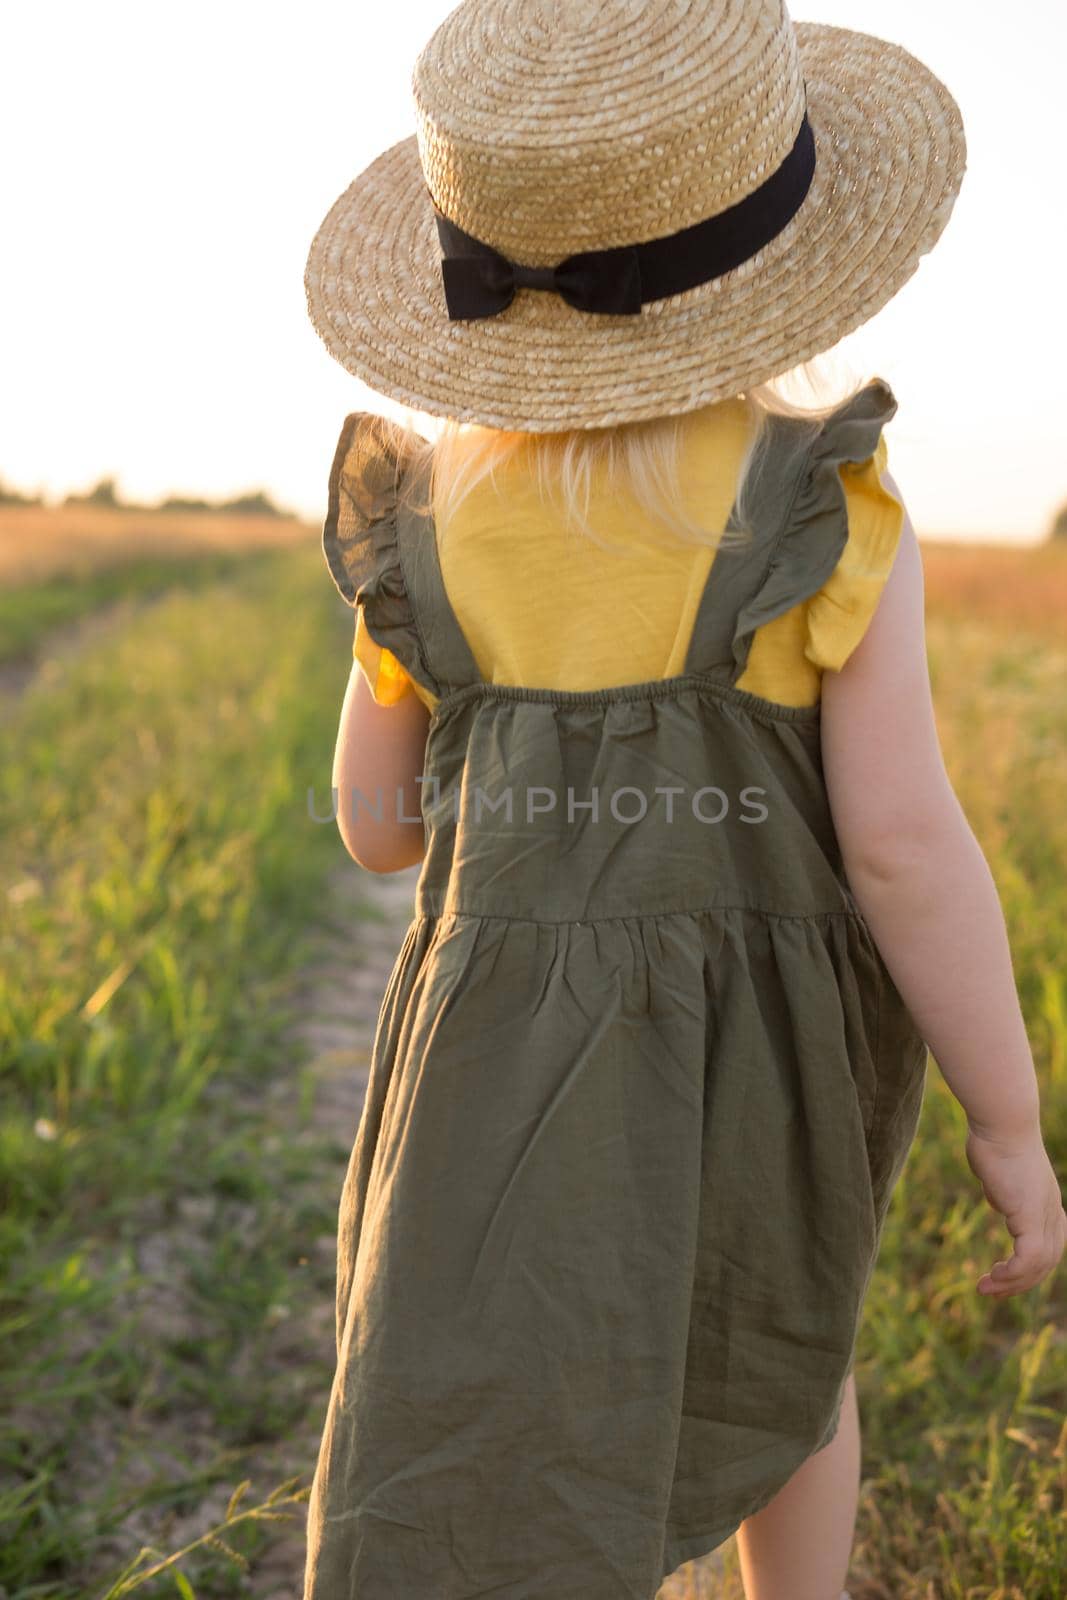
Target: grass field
x=161, y=888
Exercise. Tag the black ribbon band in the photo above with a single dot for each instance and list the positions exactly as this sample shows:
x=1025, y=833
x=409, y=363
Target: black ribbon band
x=480, y=282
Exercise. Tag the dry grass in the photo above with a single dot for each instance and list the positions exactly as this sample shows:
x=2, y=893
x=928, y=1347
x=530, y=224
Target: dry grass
x=1024, y=589
x=38, y=541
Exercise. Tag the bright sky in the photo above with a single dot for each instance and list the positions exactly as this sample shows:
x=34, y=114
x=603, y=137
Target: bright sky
x=167, y=167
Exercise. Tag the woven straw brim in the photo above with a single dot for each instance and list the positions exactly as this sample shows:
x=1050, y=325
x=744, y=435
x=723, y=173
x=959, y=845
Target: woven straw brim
x=891, y=156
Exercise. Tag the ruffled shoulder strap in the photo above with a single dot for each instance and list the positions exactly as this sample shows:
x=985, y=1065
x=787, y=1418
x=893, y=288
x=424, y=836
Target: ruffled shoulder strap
x=381, y=550
x=838, y=615
x=812, y=534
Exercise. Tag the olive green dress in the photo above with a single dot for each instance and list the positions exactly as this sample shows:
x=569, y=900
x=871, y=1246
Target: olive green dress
x=641, y=1089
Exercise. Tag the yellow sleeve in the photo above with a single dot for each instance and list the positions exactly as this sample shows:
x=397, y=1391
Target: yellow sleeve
x=388, y=680
x=839, y=613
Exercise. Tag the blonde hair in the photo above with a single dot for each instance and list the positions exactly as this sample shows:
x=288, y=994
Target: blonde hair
x=639, y=458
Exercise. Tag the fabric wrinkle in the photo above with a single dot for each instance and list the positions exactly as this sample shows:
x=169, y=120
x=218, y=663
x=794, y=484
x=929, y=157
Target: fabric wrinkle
x=582, y=1056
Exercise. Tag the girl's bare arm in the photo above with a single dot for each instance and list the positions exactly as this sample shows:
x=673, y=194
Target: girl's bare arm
x=380, y=752
x=925, y=889
x=915, y=866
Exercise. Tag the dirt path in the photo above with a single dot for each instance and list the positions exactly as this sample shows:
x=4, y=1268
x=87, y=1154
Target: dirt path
x=340, y=1003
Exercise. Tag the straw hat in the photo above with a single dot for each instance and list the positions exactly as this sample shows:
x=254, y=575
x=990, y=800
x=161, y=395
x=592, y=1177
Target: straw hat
x=740, y=192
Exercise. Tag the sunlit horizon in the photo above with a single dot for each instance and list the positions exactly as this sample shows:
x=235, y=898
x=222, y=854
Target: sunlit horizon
x=172, y=168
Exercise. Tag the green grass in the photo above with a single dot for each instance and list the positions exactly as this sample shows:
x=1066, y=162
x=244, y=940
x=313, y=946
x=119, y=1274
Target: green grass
x=159, y=869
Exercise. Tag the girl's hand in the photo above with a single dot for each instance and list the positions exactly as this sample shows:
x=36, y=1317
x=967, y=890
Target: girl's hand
x=1018, y=1181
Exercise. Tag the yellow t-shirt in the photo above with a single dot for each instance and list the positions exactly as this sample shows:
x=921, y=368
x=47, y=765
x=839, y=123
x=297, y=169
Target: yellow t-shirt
x=541, y=605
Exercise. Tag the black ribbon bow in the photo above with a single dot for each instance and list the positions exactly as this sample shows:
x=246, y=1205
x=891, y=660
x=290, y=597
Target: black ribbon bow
x=480, y=282
x=607, y=281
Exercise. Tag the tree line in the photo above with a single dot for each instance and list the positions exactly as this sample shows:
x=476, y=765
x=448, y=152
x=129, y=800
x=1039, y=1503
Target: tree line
x=105, y=494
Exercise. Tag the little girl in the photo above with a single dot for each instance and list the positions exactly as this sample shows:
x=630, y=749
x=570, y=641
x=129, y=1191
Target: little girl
x=696, y=895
